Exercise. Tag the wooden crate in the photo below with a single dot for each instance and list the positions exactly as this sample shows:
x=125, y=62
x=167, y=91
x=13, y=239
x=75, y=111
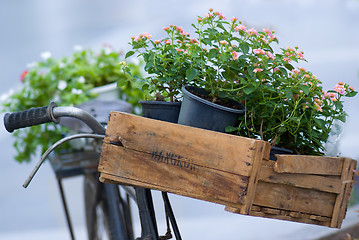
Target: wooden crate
x=225, y=169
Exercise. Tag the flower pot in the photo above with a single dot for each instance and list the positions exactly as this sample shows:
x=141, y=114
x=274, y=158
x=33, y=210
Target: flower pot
x=277, y=150
x=107, y=92
x=164, y=111
x=198, y=112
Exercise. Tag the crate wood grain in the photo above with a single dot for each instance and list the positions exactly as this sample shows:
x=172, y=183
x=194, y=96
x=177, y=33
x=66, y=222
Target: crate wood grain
x=225, y=169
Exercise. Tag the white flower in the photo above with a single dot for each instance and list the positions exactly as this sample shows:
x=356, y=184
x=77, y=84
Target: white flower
x=45, y=55
x=108, y=50
x=76, y=91
x=62, y=85
x=78, y=48
x=81, y=79
x=5, y=96
x=62, y=65
x=31, y=65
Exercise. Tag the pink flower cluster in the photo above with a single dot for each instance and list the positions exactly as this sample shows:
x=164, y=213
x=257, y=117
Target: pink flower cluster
x=252, y=32
x=240, y=27
x=339, y=88
x=256, y=70
x=331, y=96
x=258, y=51
x=318, y=104
x=290, y=53
x=139, y=38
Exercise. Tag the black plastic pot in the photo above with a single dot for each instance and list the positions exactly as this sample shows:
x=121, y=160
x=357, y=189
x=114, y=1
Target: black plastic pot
x=277, y=150
x=164, y=111
x=198, y=112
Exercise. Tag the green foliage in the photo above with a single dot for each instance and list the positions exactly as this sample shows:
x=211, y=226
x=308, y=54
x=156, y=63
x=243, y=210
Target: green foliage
x=285, y=104
x=68, y=81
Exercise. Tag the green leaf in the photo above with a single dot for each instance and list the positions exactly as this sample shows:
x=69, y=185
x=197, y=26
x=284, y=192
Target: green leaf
x=289, y=67
x=283, y=71
x=351, y=94
x=249, y=90
x=244, y=48
x=231, y=129
x=122, y=82
x=320, y=122
x=191, y=74
x=305, y=89
x=129, y=54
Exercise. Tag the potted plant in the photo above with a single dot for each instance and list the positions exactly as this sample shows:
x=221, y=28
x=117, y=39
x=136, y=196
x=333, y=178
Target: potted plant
x=69, y=80
x=285, y=104
x=168, y=70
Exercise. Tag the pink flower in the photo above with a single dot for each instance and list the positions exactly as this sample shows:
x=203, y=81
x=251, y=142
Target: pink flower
x=288, y=60
x=330, y=96
x=234, y=19
x=158, y=41
x=146, y=35
x=259, y=51
x=220, y=15
x=23, y=74
x=166, y=28
x=317, y=107
x=210, y=15
x=300, y=55
x=270, y=55
x=193, y=40
x=241, y=27
x=223, y=42
x=351, y=88
x=295, y=71
x=257, y=70
x=339, y=88
x=234, y=55
x=179, y=50
x=268, y=32
x=179, y=29
x=168, y=42
x=252, y=32
x=183, y=33
x=199, y=19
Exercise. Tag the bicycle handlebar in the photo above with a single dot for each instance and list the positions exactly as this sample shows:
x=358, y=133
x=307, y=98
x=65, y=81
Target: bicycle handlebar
x=47, y=114
x=30, y=117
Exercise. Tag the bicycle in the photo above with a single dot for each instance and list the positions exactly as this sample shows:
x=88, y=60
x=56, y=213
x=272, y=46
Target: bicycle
x=107, y=206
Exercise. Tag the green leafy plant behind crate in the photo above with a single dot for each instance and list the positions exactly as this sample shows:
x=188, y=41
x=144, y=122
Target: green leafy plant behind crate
x=67, y=81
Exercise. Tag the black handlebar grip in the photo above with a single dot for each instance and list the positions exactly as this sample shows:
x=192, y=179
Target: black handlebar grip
x=28, y=118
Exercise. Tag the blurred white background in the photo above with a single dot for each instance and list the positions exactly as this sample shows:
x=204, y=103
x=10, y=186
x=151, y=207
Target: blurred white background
x=327, y=32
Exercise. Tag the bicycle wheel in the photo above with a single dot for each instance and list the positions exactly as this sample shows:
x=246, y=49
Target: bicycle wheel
x=104, y=211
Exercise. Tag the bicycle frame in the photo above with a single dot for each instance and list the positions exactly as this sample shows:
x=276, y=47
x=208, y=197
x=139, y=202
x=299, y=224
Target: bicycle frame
x=53, y=113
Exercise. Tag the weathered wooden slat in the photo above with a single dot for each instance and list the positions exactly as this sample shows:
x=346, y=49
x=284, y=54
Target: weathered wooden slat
x=173, y=175
x=321, y=183
x=254, y=177
x=309, y=164
x=342, y=199
x=289, y=216
x=206, y=148
x=296, y=199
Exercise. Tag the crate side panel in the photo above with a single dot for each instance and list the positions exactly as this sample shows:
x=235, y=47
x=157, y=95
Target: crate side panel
x=206, y=148
x=319, y=165
x=292, y=198
x=174, y=175
x=331, y=184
